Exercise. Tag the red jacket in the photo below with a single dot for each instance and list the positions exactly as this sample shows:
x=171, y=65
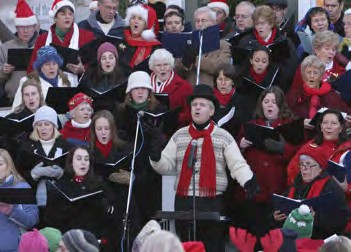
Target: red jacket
x=179, y=90
x=269, y=168
x=71, y=133
x=84, y=37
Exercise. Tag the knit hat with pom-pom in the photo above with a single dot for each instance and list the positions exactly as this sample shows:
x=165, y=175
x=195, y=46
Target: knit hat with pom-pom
x=301, y=221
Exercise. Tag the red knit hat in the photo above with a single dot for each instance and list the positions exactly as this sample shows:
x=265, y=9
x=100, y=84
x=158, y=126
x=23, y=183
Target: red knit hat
x=222, y=4
x=316, y=152
x=58, y=4
x=23, y=14
x=150, y=17
x=78, y=99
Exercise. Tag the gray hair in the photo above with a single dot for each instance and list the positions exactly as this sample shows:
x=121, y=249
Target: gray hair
x=249, y=4
x=161, y=54
x=312, y=61
x=162, y=241
x=325, y=38
x=210, y=12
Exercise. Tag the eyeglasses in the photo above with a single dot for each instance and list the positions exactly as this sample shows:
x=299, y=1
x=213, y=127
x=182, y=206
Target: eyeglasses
x=28, y=28
x=165, y=66
x=201, y=20
x=307, y=166
x=109, y=8
x=237, y=16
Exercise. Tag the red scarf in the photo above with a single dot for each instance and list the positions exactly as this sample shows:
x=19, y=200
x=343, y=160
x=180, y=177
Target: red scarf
x=207, y=183
x=143, y=50
x=314, y=93
x=270, y=40
x=223, y=99
x=315, y=190
x=258, y=78
x=78, y=179
x=105, y=149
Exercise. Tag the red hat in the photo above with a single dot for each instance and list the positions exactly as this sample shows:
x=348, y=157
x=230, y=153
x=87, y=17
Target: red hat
x=222, y=4
x=150, y=17
x=58, y=4
x=23, y=14
x=316, y=152
x=193, y=246
x=78, y=99
x=93, y=5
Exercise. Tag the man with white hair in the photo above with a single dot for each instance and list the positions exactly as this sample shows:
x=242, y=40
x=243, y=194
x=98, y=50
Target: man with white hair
x=203, y=17
x=243, y=15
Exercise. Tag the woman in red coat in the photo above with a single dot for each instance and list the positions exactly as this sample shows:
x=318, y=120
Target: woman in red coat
x=165, y=80
x=268, y=162
x=65, y=33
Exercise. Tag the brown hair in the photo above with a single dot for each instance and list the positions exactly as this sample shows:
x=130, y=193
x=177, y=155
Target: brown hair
x=266, y=13
x=30, y=82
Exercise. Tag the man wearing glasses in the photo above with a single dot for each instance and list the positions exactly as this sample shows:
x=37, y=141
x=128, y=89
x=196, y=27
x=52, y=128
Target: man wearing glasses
x=25, y=37
x=104, y=21
x=243, y=15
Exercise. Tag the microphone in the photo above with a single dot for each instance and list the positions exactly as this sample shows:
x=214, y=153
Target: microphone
x=192, y=156
x=141, y=113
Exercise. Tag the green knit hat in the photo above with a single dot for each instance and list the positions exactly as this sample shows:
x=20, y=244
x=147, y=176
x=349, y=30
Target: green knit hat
x=53, y=236
x=301, y=221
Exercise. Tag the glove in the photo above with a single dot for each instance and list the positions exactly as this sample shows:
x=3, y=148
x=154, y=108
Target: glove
x=5, y=208
x=251, y=188
x=243, y=240
x=272, y=241
x=39, y=171
x=156, y=142
x=189, y=57
x=121, y=177
x=274, y=146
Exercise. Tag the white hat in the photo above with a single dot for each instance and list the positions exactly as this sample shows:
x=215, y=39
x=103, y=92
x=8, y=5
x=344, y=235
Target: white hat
x=93, y=5
x=139, y=79
x=23, y=14
x=222, y=4
x=58, y=4
x=45, y=113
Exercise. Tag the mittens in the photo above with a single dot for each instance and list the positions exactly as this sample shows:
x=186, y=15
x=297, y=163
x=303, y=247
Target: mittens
x=251, y=188
x=39, y=171
x=272, y=241
x=243, y=240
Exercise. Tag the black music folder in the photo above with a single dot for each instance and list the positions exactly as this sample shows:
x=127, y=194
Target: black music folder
x=9, y=126
x=169, y=117
x=58, y=97
x=19, y=58
x=68, y=55
x=115, y=93
x=258, y=133
x=35, y=158
x=339, y=171
x=73, y=195
x=105, y=169
x=163, y=98
x=17, y=196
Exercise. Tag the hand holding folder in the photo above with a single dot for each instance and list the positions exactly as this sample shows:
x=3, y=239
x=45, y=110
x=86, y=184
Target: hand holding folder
x=339, y=171
x=19, y=58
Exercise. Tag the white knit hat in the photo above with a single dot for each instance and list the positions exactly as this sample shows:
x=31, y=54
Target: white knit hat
x=222, y=4
x=58, y=4
x=23, y=15
x=45, y=113
x=139, y=79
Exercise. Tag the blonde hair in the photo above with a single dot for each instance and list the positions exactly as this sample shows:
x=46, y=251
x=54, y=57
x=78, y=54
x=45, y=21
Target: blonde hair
x=11, y=169
x=325, y=38
x=266, y=13
x=35, y=83
x=35, y=135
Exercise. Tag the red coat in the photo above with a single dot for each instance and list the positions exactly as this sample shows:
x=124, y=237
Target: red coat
x=71, y=133
x=269, y=168
x=327, y=147
x=84, y=37
x=179, y=90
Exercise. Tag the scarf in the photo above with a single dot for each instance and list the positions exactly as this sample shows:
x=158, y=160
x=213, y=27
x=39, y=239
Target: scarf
x=159, y=88
x=269, y=41
x=223, y=99
x=258, y=78
x=78, y=179
x=81, y=125
x=139, y=106
x=53, y=82
x=314, y=93
x=207, y=182
x=105, y=149
x=143, y=47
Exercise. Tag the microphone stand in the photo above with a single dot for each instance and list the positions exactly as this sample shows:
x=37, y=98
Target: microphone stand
x=201, y=33
x=194, y=204
x=130, y=189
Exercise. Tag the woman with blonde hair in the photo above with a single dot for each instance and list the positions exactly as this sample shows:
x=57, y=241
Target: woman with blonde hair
x=13, y=217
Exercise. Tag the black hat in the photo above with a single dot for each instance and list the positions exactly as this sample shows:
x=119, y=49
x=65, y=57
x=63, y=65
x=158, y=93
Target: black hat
x=277, y=2
x=204, y=91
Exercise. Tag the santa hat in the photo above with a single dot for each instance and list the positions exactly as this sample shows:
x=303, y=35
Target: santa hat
x=23, y=14
x=150, y=17
x=58, y=4
x=222, y=4
x=93, y=5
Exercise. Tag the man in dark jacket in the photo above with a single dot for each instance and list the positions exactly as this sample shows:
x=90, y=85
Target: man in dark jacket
x=336, y=14
x=104, y=21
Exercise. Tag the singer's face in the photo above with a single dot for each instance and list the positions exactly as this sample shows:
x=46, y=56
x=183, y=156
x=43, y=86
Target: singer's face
x=45, y=130
x=50, y=69
x=103, y=130
x=81, y=162
x=201, y=110
x=203, y=20
x=270, y=107
x=137, y=25
x=259, y=61
x=312, y=76
x=331, y=127
x=82, y=113
x=31, y=98
x=140, y=95
x=162, y=68
x=108, y=62
x=64, y=19
x=319, y=22
x=263, y=28
x=224, y=84
x=173, y=24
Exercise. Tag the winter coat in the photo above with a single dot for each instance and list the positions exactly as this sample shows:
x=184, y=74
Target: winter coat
x=75, y=136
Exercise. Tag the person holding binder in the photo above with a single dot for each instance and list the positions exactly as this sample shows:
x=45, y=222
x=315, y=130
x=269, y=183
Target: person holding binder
x=272, y=158
x=140, y=36
x=46, y=71
x=76, y=130
x=165, y=80
x=64, y=34
x=13, y=217
x=313, y=181
x=104, y=77
x=24, y=39
x=80, y=200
